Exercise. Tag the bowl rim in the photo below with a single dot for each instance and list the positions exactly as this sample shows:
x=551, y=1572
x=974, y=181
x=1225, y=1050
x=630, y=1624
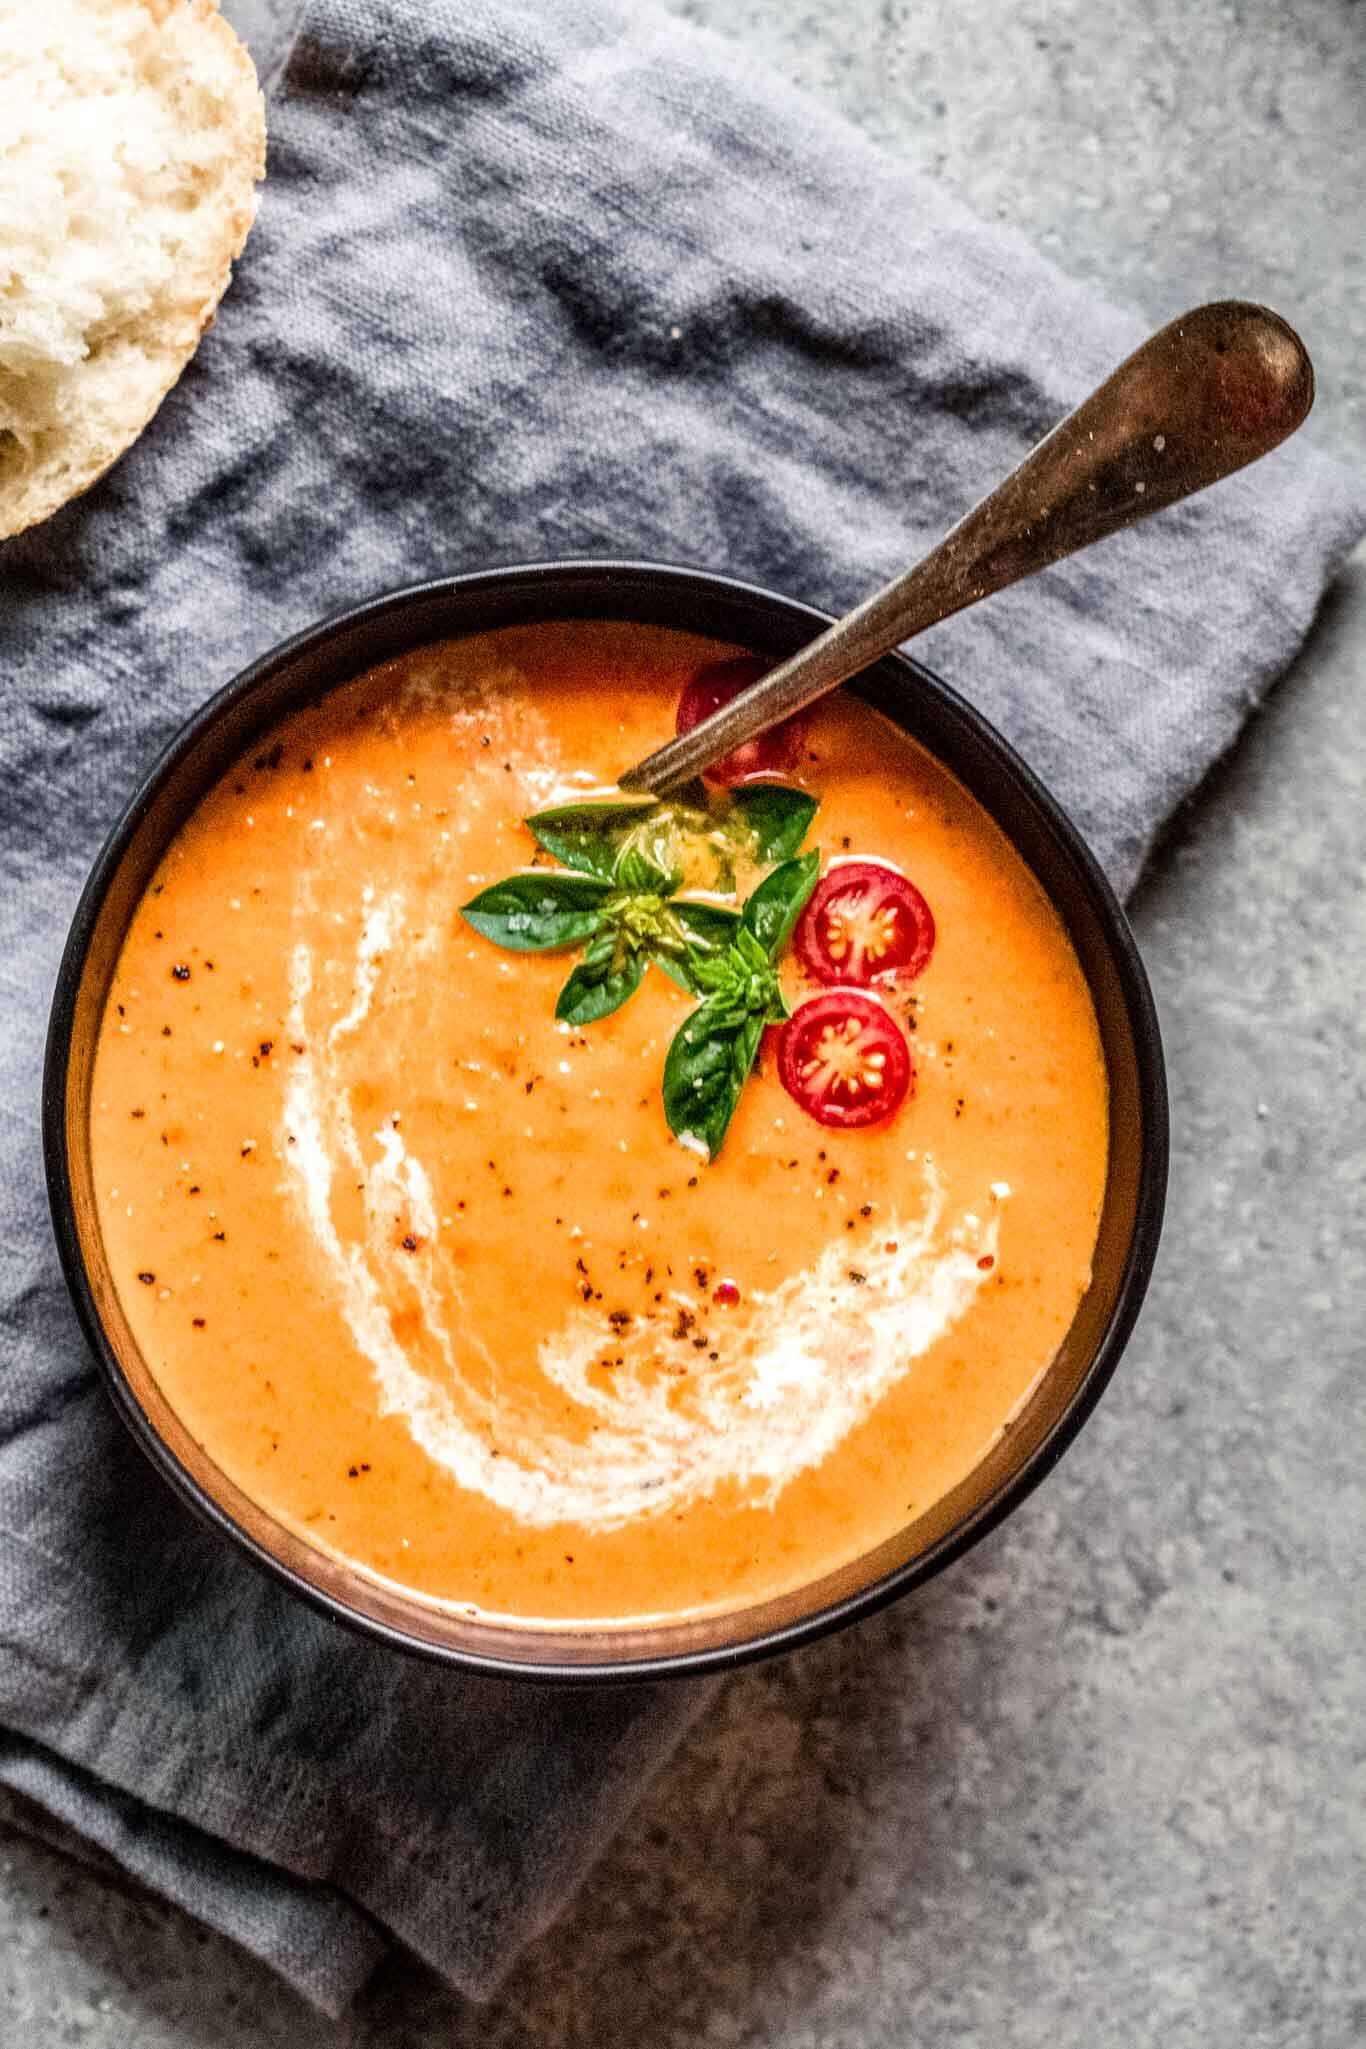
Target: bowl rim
x=683, y=580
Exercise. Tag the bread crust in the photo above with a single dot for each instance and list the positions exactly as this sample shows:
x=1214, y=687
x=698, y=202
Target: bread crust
x=63, y=472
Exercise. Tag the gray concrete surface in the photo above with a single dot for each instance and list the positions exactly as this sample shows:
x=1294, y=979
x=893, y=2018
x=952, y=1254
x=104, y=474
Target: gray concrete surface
x=1101, y=1785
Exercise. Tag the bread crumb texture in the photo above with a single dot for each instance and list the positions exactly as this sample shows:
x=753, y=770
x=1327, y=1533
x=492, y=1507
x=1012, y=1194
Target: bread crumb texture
x=132, y=137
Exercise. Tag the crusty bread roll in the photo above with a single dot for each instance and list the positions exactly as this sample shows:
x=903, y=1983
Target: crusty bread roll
x=132, y=135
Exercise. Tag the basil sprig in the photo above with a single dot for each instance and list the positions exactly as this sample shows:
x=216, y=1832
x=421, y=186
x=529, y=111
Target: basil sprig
x=619, y=899
x=617, y=896
x=622, y=929
x=712, y=1053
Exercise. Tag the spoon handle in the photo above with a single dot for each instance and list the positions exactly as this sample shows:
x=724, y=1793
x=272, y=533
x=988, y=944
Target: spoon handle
x=1202, y=397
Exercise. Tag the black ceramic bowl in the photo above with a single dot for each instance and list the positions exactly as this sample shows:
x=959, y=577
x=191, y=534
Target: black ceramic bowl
x=343, y=647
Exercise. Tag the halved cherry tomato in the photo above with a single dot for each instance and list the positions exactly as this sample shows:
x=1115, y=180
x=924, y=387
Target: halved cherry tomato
x=844, y=1060
x=776, y=752
x=864, y=923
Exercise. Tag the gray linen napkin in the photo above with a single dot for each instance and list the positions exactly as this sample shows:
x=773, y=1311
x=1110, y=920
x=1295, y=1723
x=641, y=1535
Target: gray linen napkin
x=527, y=280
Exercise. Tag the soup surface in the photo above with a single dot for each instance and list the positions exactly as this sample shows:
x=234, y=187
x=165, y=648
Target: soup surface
x=426, y=1272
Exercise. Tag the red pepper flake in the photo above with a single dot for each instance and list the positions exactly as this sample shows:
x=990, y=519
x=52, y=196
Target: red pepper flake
x=619, y=1319
x=727, y=1295
x=692, y=1180
x=701, y=1276
x=165, y=1031
x=409, y=1242
x=986, y=1263
x=833, y=1176
x=181, y=971
x=147, y=1279
x=865, y=1209
x=198, y=1322
x=219, y=1236
x=267, y=1047
x=137, y=1113
x=890, y=1246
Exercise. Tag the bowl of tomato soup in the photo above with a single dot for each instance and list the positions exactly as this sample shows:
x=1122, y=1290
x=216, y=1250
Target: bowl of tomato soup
x=574, y=1235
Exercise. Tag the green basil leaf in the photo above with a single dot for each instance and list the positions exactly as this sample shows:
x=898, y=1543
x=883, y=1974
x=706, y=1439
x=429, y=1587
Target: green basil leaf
x=637, y=872
x=589, y=836
x=600, y=984
x=750, y=957
x=536, y=913
x=707, y=1066
x=707, y=927
x=692, y=938
x=778, y=902
x=701, y=974
x=680, y=969
x=777, y=815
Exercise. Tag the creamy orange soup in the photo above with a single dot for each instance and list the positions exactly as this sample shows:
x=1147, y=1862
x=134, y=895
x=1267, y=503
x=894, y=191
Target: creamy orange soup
x=426, y=1273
